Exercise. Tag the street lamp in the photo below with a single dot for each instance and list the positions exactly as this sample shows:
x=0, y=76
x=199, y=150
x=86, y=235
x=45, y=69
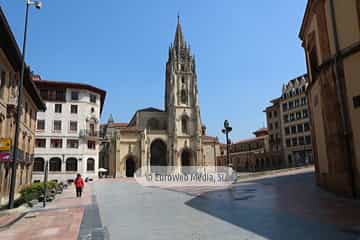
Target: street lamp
x=37, y=5
x=226, y=131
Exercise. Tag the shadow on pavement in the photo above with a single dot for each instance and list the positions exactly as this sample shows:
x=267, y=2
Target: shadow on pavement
x=283, y=207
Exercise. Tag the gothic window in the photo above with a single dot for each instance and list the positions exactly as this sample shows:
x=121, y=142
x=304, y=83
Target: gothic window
x=153, y=124
x=183, y=96
x=185, y=124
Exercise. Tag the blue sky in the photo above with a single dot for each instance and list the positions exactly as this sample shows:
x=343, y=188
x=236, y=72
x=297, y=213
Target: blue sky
x=245, y=51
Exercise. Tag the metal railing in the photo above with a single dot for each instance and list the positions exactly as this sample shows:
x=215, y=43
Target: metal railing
x=89, y=133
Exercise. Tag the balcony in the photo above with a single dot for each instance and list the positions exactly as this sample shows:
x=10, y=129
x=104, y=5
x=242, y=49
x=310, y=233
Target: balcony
x=87, y=133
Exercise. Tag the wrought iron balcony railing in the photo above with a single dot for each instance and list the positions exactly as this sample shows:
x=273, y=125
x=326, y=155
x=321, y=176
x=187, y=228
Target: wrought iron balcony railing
x=84, y=133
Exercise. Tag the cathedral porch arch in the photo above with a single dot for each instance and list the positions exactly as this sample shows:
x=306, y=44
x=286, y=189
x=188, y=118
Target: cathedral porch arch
x=158, y=153
x=131, y=165
x=187, y=157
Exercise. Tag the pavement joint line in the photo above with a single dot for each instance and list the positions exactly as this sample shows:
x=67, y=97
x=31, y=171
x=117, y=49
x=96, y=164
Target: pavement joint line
x=9, y=224
x=57, y=208
x=22, y=215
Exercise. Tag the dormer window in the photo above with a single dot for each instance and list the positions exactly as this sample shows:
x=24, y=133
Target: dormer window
x=92, y=98
x=74, y=95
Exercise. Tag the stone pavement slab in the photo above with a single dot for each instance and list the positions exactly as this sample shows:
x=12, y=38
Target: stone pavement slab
x=7, y=219
x=282, y=207
x=51, y=224
x=61, y=219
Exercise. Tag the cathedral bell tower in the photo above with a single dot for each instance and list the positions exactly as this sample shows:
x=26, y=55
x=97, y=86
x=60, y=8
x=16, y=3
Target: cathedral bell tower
x=182, y=104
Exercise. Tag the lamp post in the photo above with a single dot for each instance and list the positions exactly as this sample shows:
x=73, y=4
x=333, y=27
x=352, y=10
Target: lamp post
x=226, y=131
x=38, y=5
x=46, y=172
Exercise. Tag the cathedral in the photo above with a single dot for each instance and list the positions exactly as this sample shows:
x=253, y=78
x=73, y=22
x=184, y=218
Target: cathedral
x=173, y=136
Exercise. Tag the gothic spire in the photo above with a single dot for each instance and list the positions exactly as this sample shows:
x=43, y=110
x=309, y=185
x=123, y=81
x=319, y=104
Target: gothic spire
x=111, y=119
x=179, y=41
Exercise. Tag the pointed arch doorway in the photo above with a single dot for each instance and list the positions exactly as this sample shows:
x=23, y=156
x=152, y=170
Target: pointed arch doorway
x=130, y=166
x=158, y=159
x=158, y=153
x=186, y=160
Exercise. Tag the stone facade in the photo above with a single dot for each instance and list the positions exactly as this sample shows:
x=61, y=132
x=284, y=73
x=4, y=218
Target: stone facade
x=174, y=136
x=275, y=130
x=331, y=38
x=295, y=123
x=289, y=125
x=253, y=154
x=10, y=68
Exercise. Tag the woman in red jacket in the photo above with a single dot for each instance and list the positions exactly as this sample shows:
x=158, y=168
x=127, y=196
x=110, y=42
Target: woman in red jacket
x=79, y=184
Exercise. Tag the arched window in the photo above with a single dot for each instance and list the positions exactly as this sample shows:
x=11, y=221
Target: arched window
x=71, y=164
x=183, y=96
x=184, y=124
x=55, y=164
x=153, y=124
x=90, y=165
x=39, y=164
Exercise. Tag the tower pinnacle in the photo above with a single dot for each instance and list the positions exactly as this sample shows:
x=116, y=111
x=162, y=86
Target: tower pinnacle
x=179, y=41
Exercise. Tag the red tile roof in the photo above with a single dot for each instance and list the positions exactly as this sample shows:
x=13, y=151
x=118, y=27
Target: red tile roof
x=210, y=138
x=119, y=124
x=130, y=129
x=249, y=140
x=262, y=130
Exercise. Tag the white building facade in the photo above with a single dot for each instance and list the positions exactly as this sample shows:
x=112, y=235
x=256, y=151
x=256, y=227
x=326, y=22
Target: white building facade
x=67, y=133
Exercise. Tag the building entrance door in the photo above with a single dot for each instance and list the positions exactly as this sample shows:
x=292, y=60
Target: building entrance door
x=130, y=167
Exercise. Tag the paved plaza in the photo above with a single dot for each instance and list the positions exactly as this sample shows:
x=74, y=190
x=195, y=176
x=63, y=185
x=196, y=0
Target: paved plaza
x=278, y=207
x=282, y=205
x=61, y=219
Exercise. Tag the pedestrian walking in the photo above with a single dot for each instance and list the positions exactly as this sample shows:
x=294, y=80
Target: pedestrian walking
x=79, y=185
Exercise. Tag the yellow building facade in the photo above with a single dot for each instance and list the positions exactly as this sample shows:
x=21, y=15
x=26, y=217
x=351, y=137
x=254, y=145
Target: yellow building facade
x=10, y=67
x=331, y=38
